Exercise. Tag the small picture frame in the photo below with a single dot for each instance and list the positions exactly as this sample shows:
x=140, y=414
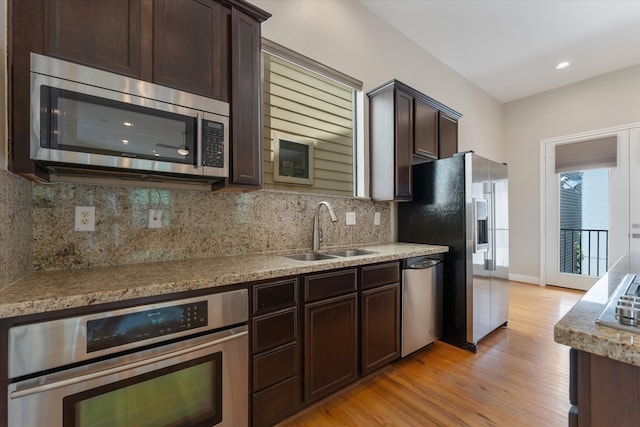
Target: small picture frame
x=293, y=159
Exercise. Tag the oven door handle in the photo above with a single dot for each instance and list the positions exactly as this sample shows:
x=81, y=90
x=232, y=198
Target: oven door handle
x=226, y=336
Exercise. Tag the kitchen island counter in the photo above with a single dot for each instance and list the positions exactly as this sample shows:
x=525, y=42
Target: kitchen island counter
x=578, y=329
x=46, y=291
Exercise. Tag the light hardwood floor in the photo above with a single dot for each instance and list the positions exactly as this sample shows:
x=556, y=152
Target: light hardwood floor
x=519, y=377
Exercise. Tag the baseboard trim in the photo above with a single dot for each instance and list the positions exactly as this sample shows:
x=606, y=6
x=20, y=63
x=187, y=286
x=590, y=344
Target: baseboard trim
x=525, y=279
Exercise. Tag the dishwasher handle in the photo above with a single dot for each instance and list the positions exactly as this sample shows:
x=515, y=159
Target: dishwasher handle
x=420, y=263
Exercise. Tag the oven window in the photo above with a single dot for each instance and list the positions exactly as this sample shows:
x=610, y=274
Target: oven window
x=185, y=394
x=89, y=124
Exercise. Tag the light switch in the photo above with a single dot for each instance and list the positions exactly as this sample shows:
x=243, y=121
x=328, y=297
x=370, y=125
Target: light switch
x=376, y=218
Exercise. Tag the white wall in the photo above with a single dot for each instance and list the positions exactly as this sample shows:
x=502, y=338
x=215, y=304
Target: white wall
x=605, y=101
x=346, y=36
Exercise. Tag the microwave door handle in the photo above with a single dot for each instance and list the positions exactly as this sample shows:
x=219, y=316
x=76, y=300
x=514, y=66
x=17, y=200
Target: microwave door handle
x=199, y=127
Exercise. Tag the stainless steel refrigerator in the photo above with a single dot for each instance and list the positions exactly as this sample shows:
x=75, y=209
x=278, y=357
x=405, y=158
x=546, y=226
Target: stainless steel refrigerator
x=462, y=202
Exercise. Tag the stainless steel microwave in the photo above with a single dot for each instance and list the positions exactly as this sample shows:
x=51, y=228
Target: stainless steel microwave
x=91, y=124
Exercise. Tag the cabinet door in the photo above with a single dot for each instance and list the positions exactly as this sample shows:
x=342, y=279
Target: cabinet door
x=448, y=136
x=246, y=132
x=98, y=33
x=331, y=341
x=380, y=322
x=425, y=141
x=191, y=46
x=404, y=145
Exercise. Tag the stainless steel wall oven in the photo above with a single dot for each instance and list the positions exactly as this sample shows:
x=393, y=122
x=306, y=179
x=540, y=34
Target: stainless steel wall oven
x=177, y=363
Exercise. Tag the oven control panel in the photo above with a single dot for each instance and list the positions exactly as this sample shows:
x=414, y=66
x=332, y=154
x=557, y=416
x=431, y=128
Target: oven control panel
x=114, y=331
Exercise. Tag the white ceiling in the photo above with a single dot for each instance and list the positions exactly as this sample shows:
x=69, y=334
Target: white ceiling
x=510, y=48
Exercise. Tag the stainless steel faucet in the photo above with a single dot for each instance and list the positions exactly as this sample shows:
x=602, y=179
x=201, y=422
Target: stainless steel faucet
x=316, y=226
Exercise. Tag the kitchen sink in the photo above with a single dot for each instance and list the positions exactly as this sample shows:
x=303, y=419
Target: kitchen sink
x=319, y=256
x=351, y=252
x=310, y=256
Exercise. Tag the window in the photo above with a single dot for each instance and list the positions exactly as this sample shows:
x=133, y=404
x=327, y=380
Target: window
x=312, y=137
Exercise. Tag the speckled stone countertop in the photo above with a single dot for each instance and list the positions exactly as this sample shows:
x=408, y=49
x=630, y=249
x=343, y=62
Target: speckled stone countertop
x=48, y=291
x=578, y=329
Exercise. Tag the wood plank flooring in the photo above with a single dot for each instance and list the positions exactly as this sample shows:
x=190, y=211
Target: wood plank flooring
x=519, y=377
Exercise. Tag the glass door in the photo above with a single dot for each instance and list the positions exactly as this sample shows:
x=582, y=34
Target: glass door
x=586, y=209
x=584, y=222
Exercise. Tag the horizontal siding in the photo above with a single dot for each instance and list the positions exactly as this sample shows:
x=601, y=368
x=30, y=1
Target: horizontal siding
x=300, y=103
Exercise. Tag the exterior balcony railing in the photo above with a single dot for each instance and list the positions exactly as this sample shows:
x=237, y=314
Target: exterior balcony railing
x=584, y=251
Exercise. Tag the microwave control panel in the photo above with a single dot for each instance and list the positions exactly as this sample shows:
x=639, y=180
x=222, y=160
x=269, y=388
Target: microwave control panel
x=115, y=331
x=212, y=144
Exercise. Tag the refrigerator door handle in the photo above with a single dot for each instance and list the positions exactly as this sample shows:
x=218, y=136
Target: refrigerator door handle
x=491, y=260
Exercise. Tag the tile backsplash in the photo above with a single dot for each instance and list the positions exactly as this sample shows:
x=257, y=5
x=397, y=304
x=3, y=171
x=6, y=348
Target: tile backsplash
x=15, y=228
x=195, y=224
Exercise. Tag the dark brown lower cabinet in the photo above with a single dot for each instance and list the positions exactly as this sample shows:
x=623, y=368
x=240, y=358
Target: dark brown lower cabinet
x=351, y=321
x=331, y=345
x=275, y=373
x=603, y=392
x=380, y=322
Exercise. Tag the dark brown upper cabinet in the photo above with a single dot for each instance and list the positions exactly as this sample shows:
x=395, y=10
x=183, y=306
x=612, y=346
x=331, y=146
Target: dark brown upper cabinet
x=447, y=135
x=406, y=127
x=207, y=47
x=425, y=142
x=246, y=113
x=101, y=34
x=191, y=46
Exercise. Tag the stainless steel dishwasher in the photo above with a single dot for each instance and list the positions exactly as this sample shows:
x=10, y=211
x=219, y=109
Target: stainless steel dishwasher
x=421, y=303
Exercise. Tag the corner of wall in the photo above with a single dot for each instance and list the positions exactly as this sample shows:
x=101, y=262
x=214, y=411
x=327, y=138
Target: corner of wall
x=3, y=85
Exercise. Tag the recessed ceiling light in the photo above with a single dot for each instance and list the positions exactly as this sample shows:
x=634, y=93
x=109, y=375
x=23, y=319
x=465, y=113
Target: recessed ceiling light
x=563, y=64
x=128, y=124
x=125, y=141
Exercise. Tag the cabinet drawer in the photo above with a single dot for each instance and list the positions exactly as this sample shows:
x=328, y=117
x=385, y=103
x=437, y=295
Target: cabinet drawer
x=319, y=286
x=380, y=274
x=275, y=329
x=273, y=296
x=274, y=366
x=276, y=403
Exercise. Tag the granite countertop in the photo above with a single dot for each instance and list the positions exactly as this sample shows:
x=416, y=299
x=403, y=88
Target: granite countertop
x=55, y=290
x=578, y=329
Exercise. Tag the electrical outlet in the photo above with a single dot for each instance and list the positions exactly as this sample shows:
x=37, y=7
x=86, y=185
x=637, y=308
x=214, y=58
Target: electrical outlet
x=155, y=218
x=85, y=218
x=351, y=218
x=376, y=218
